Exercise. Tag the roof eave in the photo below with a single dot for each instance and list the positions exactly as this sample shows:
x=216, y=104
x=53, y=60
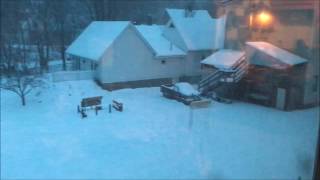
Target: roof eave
x=144, y=40
x=194, y=50
x=81, y=56
x=170, y=56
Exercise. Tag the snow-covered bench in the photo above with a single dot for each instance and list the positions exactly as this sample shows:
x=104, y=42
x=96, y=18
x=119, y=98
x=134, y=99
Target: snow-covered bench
x=91, y=102
x=117, y=105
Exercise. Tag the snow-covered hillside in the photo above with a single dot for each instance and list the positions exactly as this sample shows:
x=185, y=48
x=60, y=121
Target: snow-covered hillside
x=47, y=139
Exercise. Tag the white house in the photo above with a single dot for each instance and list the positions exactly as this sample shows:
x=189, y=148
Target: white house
x=196, y=33
x=124, y=55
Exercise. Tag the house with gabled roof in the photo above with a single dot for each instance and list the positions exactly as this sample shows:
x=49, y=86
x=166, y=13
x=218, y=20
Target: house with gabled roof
x=195, y=30
x=189, y=47
x=197, y=33
x=125, y=55
x=161, y=46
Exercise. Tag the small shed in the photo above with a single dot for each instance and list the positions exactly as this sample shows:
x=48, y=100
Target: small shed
x=275, y=77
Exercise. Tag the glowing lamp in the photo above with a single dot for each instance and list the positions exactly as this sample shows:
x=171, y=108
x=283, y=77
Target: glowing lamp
x=264, y=18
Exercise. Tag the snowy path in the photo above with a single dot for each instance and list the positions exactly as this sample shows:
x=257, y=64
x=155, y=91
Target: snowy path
x=151, y=139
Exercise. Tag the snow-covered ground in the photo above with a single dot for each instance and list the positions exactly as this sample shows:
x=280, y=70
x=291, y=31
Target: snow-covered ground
x=151, y=139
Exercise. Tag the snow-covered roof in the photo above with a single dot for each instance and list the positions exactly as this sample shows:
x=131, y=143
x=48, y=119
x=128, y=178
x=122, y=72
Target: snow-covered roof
x=96, y=38
x=277, y=53
x=199, y=30
x=224, y=59
x=162, y=47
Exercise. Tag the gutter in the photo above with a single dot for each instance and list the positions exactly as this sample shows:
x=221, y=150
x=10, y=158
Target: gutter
x=170, y=56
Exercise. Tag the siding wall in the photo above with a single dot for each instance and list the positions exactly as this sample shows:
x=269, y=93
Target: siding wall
x=193, y=65
x=129, y=59
x=72, y=76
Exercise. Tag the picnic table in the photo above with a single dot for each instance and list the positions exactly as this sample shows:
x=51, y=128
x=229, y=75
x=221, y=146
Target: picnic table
x=90, y=103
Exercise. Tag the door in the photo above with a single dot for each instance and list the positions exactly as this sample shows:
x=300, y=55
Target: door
x=281, y=98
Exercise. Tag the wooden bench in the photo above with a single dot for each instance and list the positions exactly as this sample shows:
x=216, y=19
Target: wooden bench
x=91, y=102
x=117, y=105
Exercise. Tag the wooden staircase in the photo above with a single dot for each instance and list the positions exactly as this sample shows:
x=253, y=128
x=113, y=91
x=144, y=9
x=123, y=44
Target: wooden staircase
x=215, y=79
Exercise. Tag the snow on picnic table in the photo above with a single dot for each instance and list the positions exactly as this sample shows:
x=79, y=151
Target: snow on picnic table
x=186, y=89
x=47, y=139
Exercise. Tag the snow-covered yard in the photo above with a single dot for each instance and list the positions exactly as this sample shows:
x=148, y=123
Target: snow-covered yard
x=47, y=139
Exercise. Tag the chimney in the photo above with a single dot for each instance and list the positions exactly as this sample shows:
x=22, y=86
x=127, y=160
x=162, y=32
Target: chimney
x=149, y=19
x=189, y=10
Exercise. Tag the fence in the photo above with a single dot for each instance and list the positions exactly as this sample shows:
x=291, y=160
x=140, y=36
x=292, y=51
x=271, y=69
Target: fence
x=59, y=67
x=72, y=75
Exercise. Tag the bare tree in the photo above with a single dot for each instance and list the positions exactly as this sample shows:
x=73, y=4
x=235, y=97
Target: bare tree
x=13, y=34
x=41, y=28
x=7, y=56
x=21, y=83
x=60, y=14
x=95, y=9
x=101, y=10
